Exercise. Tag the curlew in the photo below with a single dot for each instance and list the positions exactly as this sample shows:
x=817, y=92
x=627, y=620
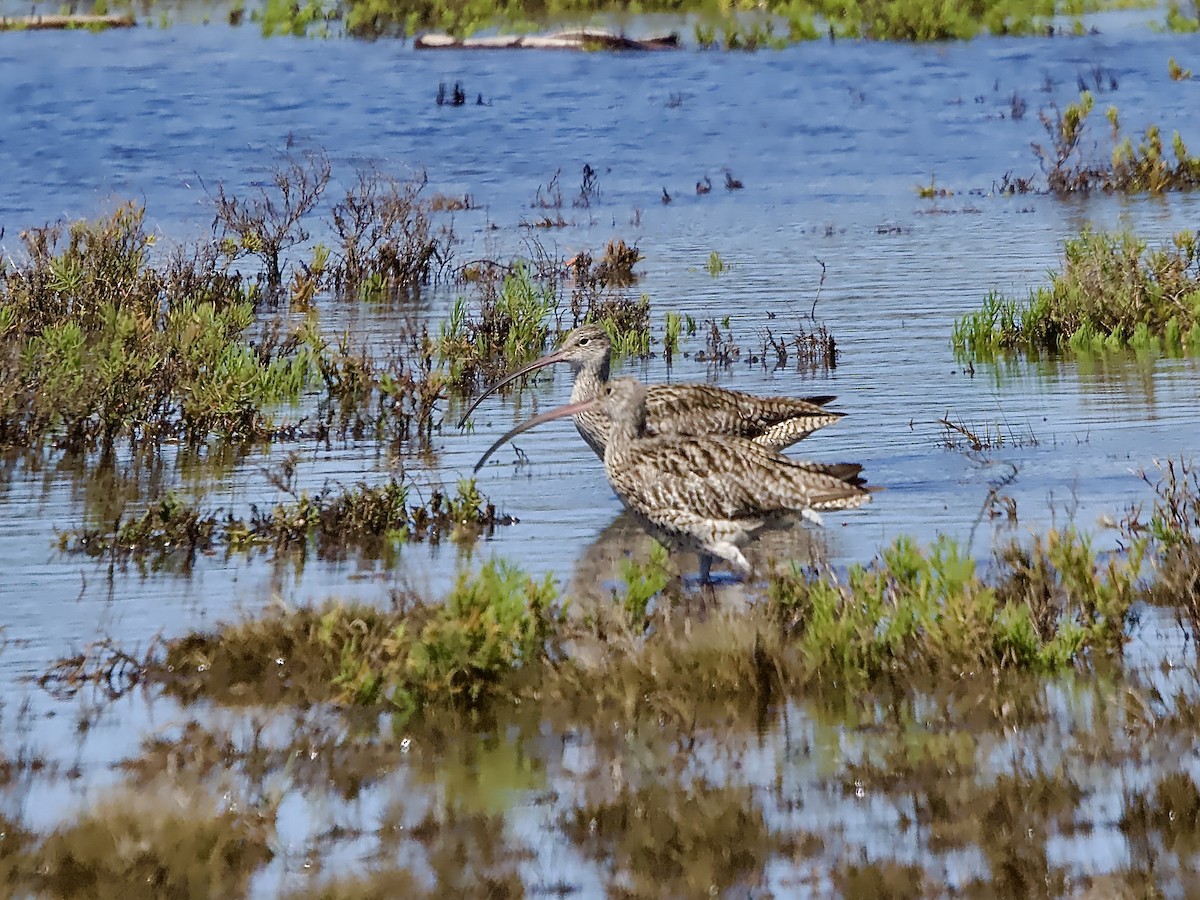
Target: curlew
x=709, y=494
x=731, y=183
x=666, y=198
x=705, y=186
x=700, y=409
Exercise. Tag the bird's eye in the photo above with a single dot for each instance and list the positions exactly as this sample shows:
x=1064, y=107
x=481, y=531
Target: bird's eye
x=583, y=342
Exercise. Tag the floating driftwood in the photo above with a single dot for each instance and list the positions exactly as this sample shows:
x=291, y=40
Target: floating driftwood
x=582, y=39
x=39, y=23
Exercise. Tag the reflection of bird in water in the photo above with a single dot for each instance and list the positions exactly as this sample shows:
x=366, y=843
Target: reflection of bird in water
x=666, y=198
x=711, y=495
x=598, y=569
x=460, y=96
x=705, y=186
x=441, y=95
x=701, y=409
x=731, y=183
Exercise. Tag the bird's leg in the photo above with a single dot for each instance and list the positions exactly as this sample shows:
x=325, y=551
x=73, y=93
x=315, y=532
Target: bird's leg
x=706, y=562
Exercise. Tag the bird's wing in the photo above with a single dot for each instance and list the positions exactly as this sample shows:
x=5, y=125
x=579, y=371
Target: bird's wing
x=722, y=478
x=702, y=410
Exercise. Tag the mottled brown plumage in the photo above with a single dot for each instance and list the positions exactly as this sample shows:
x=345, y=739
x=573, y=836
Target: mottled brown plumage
x=709, y=494
x=696, y=409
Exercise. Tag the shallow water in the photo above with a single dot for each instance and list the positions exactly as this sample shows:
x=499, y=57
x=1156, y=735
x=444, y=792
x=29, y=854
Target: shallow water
x=831, y=142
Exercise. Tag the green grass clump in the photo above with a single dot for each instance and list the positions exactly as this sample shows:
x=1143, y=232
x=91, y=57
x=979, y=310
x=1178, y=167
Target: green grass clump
x=511, y=328
x=1183, y=17
x=188, y=374
x=627, y=322
x=491, y=625
x=643, y=582
x=1113, y=292
x=1130, y=169
x=460, y=653
x=928, y=612
x=104, y=339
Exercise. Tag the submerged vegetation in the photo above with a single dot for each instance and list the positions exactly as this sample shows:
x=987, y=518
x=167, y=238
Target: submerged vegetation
x=373, y=520
x=1113, y=292
x=141, y=846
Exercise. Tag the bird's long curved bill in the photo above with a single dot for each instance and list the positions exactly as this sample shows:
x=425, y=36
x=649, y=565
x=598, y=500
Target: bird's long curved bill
x=559, y=412
x=548, y=360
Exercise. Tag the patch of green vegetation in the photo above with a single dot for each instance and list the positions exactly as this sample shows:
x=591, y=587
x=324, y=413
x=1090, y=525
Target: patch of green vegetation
x=1183, y=17
x=510, y=329
x=461, y=653
x=280, y=17
x=1145, y=168
x=1113, y=292
x=375, y=520
x=739, y=30
x=924, y=612
x=643, y=582
x=715, y=265
x=97, y=345
x=671, y=333
x=106, y=338
x=911, y=615
x=599, y=293
x=627, y=323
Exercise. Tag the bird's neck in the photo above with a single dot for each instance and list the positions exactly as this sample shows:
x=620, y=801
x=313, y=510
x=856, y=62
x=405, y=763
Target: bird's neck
x=589, y=379
x=623, y=432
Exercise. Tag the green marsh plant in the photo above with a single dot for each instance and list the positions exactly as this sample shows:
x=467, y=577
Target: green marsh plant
x=1114, y=291
x=929, y=611
x=1182, y=17
x=511, y=327
x=1146, y=167
x=460, y=653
